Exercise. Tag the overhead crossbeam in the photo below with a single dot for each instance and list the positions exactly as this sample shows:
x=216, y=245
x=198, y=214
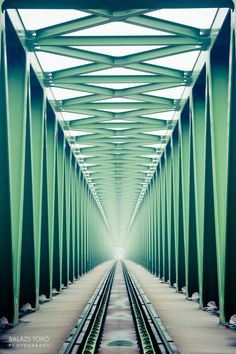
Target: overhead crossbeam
x=126, y=116
x=113, y=6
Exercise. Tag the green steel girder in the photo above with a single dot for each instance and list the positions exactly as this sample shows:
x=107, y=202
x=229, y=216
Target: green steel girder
x=184, y=185
x=191, y=190
x=158, y=70
x=117, y=79
x=159, y=124
x=127, y=141
x=116, y=41
x=145, y=88
x=123, y=5
x=94, y=98
x=126, y=151
x=129, y=115
x=87, y=88
x=120, y=105
x=76, y=54
x=118, y=158
x=83, y=69
x=8, y=304
x=127, y=127
x=145, y=111
x=150, y=68
x=166, y=26
x=70, y=26
x=157, y=53
x=39, y=237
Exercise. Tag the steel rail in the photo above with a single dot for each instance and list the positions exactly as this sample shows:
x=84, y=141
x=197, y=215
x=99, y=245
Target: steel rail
x=152, y=335
x=84, y=337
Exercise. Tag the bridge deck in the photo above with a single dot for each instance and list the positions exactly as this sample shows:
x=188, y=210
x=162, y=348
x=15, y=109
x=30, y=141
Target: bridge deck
x=193, y=330
x=44, y=331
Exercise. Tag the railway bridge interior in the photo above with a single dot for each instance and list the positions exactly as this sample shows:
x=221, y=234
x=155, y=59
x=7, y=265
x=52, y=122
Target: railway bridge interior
x=117, y=135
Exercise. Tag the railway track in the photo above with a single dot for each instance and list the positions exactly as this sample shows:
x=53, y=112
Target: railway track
x=90, y=333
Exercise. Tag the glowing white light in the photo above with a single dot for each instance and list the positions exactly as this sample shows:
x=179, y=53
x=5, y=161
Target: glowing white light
x=119, y=253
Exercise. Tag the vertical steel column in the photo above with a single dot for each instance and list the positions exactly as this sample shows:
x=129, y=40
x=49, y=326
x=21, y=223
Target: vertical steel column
x=170, y=215
x=230, y=274
x=28, y=259
x=42, y=207
x=76, y=224
x=17, y=82
x=155, y=195
x=9, y=300
x=189, y=217
x=46, y=271
x=218, y=91
x=159, y=245
x=59, y=211
x=178, y=212
x=154, y=226
x=164, y=221
x=72, y=220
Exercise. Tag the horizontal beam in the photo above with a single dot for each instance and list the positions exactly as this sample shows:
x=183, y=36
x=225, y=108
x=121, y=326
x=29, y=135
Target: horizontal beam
x=93, y=98
x=120, y=105
x=159, y=123
x=113, y=5
x=139, y=151
x=116, y=13
x=114, y=126
x=116, y=41
x=117, y=79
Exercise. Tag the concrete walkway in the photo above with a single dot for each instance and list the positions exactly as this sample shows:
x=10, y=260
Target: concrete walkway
x=44, y=331
x=193, y=330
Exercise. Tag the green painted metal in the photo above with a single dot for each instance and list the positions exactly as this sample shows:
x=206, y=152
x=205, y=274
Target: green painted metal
x=199, y=171
x=123, y=5
x=115, y=41
x=39, y=211
x=9, y=302
x=116, y=175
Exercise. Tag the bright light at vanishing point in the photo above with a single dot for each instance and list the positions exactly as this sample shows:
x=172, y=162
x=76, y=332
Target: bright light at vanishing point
x=119, y=253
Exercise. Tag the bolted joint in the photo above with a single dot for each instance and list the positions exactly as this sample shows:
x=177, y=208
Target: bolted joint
x=66, y=125
x=204, y=32
x=177, y=105
x=205, y=44
x=117, y=93
x=31, y=46
x=58, y=106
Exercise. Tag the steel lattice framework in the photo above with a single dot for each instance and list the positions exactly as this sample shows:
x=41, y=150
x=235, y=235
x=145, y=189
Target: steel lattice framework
x=122, y=157
x=117, y=170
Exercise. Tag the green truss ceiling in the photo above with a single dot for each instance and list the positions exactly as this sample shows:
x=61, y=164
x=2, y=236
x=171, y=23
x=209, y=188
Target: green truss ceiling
x=119, y=124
